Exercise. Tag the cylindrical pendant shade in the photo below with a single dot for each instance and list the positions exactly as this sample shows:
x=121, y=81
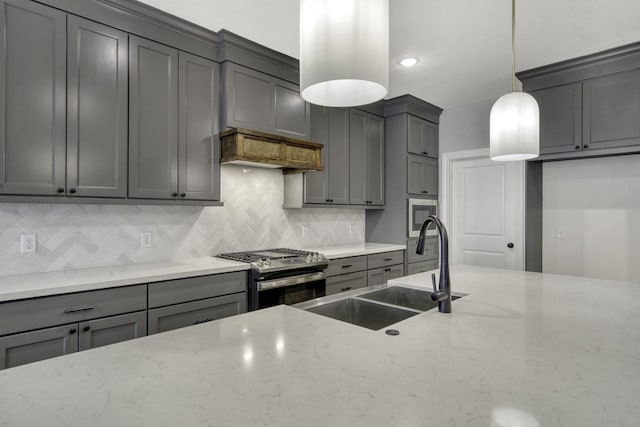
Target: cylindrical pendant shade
x=344, y=51
x=514, y=127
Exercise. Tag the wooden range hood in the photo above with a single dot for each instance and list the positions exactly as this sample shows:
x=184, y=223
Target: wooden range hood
x=244, y=146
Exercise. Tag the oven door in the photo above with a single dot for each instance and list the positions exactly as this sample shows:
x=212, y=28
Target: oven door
x=289, y=290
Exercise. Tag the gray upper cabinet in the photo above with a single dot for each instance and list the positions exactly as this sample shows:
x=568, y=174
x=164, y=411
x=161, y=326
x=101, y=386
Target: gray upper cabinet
x=422, y=175
x=153, y=120
x=32, y=94
x=422, y=137
x=258, y=101
x=611, y=111
x=97, y=102
x=560, y=118
x=198, y=152
x=173, y=144
x=366, y=153
x=330, y=126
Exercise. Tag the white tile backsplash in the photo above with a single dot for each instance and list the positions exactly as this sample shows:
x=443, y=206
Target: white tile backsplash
x=82, y=236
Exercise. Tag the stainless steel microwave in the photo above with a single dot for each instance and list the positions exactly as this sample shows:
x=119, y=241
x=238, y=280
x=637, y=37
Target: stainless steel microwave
x=418, y=211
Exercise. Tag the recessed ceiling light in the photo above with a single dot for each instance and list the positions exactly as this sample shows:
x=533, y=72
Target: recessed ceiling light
x=409, y=62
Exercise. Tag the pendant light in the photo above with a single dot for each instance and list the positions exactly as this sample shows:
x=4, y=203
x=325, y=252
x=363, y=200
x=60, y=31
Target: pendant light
x=344, y=51
x=515, y=118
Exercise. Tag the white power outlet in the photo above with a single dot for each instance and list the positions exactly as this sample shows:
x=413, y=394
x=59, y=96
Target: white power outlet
x=350, y=229
x=305, y=231
x=28, y=243
x=146, y=239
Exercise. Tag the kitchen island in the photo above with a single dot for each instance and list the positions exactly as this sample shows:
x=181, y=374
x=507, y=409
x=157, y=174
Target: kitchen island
x=521, y=349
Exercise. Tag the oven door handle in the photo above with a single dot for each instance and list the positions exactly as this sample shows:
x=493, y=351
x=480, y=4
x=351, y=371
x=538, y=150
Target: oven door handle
x=289, y=281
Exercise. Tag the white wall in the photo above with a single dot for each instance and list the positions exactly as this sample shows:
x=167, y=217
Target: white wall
x=465, y=127
x=595, y=205
x=82, y=236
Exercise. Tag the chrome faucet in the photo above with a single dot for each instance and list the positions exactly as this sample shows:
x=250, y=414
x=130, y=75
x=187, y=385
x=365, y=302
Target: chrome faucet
x=443, y=294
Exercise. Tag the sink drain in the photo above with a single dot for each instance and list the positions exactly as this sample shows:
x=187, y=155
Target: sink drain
x=392, y=332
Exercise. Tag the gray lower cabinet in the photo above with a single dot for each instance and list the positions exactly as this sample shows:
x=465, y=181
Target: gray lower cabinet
x=380, y=276
x=421, y=267
x=258, y=101
x=40, y=328
x=330, y=127
x=611, y=111
x=422, y=175
x=422, y=137
x=184, y=302
x=346, y=282
x=366, y=154
x=173, y=147
x=425, y=262
x=192, y=313
x=560, y=118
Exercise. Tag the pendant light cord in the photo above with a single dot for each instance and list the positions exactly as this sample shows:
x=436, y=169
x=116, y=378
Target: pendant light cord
x=513, y=45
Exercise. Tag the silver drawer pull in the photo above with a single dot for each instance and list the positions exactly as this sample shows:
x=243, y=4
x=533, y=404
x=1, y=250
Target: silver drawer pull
x=77, y=309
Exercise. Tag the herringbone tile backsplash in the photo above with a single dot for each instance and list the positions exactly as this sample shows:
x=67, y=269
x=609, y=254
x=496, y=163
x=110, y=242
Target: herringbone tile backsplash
x=82, y=236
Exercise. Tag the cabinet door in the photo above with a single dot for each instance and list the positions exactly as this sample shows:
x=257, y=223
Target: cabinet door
x=32, y=94
x=560, y=118
x=330, y=126
x=191, y=313
x=110, y=330
x=97, y=65
x=422, y=175
x=19, y=349
x=377, y=276
x=315, y=183
x=153, y=120
x=346, y=282
x=366, y=155
x=422, y=137
x=395, y=271
x=199, y=145
x=291, y=112
x=611, y=111
x=248, y=99
x=430, y=249
x=421, y=267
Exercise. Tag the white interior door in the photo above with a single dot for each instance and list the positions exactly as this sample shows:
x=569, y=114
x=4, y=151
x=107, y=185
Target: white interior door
x=486, y=215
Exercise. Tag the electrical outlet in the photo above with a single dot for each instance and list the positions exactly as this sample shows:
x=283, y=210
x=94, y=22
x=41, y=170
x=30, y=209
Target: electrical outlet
x=350, y=229
x=28, y=243
x=305, y=230
x=146, y=239
x=560, y=233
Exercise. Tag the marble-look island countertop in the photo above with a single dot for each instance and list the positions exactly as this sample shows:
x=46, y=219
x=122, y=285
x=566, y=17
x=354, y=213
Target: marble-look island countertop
x=521, y=349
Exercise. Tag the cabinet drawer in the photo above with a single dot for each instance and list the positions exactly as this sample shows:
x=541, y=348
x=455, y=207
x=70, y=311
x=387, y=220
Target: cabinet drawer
x=346, y=265
x=43, y=312
x=430, y=250
x=195, y=288
x=420, y=267
x=346, y=282
x=192, y=313
x=385, y=259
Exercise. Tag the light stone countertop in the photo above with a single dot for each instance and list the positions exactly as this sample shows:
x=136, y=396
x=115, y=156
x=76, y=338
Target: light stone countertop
x=343, y=251
x=61, y=282
x=520, y=350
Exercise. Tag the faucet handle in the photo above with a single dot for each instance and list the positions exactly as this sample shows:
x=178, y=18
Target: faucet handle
x=433, y=282
x=437, y=295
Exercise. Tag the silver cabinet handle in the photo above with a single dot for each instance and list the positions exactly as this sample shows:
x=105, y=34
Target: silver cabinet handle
x=77, y=309
x=289, y=281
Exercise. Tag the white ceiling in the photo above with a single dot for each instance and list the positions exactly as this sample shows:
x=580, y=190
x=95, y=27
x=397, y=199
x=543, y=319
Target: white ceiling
x=464, y=45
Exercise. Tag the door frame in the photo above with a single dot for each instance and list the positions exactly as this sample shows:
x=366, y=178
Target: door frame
x=447, y=161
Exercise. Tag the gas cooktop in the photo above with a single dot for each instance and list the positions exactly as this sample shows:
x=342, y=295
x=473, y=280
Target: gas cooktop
x=278, y=259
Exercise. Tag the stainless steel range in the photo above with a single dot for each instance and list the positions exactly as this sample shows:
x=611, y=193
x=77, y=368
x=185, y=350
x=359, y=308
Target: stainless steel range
x=282, y=276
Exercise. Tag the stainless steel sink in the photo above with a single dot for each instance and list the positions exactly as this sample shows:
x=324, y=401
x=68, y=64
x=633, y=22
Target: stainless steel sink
x=405, y=297
x=363, y=313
